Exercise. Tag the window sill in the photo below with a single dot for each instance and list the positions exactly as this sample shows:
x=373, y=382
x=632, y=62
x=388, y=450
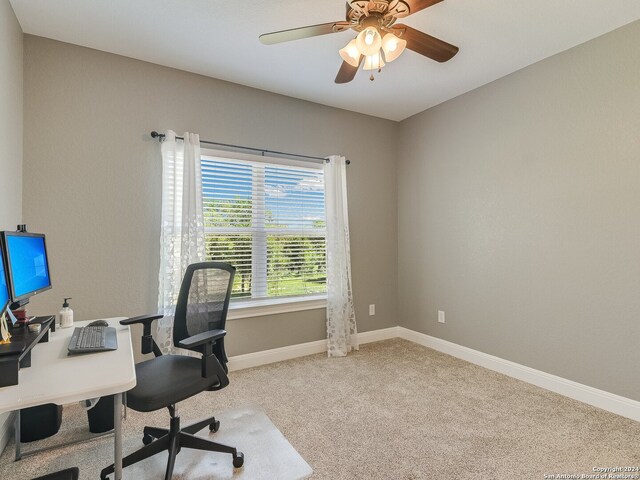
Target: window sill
x=260, y=308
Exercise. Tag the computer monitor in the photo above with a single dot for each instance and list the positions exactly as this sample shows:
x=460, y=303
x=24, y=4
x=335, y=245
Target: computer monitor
x=27, y=265
x=4, y=288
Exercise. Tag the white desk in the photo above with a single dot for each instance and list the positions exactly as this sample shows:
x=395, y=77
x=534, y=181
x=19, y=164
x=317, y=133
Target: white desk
x=55, y=377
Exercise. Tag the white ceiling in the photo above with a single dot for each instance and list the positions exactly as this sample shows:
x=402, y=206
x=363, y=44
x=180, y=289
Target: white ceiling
x=220, y=39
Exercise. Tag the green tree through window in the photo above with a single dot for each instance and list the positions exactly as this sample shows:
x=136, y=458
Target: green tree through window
x=267, y=221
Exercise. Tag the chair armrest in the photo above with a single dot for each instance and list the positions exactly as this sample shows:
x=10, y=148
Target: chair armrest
x=147, y=343
x=200, y=339
x=211, y=366
x=144, y=319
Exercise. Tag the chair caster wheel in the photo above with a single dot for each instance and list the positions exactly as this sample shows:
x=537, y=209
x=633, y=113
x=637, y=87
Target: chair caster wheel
x=214, y=426
x=238, y=460
x=147, y=439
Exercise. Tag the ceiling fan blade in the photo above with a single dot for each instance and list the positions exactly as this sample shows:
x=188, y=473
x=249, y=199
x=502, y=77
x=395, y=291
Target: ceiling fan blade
x=303, y=32
x=426, y=45
x=417, y=5
x=347, y=72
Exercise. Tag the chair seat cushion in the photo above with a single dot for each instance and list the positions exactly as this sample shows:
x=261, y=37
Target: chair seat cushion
x=166, y=380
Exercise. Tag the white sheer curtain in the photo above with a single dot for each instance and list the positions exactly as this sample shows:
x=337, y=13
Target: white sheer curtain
x=342, y=333
x=182, y=239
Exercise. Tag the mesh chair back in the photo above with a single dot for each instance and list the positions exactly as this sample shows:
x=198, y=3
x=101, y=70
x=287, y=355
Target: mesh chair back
x=203, y=300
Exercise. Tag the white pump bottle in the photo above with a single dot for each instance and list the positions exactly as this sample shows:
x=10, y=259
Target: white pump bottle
x=66, y=315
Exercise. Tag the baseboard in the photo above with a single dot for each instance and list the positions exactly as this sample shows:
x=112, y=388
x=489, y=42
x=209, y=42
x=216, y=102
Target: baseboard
x=6, y=429
x=265, y=357
x=598, y=398
x=592, y=396
x=378, y=335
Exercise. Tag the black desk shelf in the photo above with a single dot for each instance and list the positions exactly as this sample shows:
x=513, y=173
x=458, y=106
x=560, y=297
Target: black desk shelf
x=11, y=364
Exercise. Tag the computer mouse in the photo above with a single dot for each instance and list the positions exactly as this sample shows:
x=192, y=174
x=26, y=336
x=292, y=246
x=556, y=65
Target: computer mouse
x=99, y=323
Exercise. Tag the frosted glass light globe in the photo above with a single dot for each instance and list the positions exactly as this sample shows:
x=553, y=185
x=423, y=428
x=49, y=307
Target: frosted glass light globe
x=350, y=53
x=392, y=47
x=373, y=62
x=368, y=41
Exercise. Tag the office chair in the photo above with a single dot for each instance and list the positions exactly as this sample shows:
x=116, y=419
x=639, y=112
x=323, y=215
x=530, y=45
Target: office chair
x=198, y=325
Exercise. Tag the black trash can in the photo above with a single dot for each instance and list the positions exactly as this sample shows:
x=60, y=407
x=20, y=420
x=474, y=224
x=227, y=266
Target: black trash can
x=40, y=422
x=101, y=415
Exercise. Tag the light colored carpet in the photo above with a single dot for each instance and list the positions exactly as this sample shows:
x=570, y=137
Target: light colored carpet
x=396, y=410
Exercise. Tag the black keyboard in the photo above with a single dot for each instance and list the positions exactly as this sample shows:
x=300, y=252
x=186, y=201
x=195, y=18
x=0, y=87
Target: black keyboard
x=93, y=339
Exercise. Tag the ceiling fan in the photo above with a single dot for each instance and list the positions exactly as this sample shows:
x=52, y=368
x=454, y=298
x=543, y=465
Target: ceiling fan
x=380, y=39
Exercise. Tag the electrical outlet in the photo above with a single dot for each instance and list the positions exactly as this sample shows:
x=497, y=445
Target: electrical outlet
x=441, y=316
x=372, y=309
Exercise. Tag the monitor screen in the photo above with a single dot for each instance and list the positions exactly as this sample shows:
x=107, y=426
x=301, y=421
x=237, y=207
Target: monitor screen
x=27, y=264
x=4, y=289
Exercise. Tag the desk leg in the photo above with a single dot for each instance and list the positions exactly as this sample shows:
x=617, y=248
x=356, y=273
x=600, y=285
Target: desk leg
x=117, y=426
x=16, y=433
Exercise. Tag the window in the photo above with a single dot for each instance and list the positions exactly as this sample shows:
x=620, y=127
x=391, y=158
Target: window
x=267, y=219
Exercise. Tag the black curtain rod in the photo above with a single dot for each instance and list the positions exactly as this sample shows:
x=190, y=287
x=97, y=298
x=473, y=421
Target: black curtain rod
x=160, y=137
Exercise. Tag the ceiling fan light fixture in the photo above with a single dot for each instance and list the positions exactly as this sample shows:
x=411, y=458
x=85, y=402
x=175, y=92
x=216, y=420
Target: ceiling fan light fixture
x=379, y=38
x=373, y=62
x=368, y=41
x=350, y=53
x=392, y=47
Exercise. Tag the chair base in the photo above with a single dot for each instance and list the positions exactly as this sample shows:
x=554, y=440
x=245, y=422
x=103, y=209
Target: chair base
x=157, y=440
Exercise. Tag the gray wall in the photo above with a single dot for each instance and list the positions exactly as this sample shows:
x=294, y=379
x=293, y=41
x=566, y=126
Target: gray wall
x=11, y=49
x=93, y=180
x=11, y=46
x=519, y=216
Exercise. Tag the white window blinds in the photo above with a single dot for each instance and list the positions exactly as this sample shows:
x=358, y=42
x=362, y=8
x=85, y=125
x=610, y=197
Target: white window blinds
x=268, y=220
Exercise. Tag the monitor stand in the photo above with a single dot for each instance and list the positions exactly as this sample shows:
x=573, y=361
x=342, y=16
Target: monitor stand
x=17, y=354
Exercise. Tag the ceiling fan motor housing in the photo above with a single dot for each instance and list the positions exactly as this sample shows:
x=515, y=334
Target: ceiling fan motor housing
x=381, y=14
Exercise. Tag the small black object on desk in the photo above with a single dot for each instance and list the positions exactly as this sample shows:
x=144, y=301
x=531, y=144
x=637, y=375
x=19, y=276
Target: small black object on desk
x=98, y=323
x=17, y=354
